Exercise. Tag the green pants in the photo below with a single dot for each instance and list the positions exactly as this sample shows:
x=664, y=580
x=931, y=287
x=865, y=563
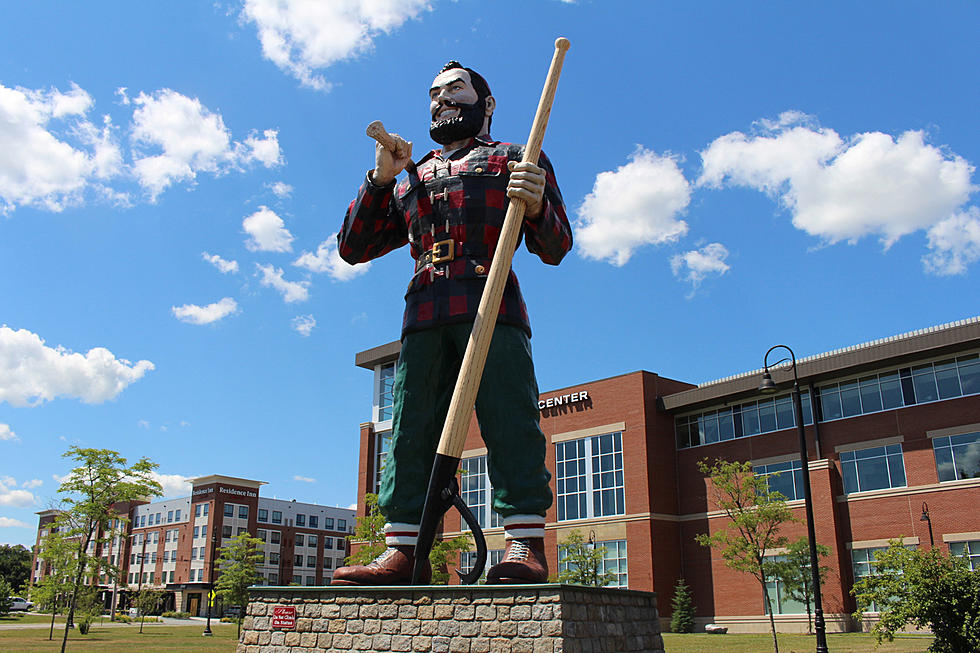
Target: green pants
x=506, y=408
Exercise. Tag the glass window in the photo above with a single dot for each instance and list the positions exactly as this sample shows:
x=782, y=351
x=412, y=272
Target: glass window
x=276, y=517
x=311, y=580
x=341, y=524
x=468, y=558
x=476, y=491
x=874, y=468
x=870, y=394
x=726, y=425
x=328, y=563
x=300, y=519
x=275, y=537
x=969, y=550
x=170, y=516
x=830, y=406
x=891, y=391
x=850, y=399
x=780, y=602
x=177, y=515
x=767, y=415
x=299, y=539
x=924, y=381
x=750, y=419
x=273, y=578
x=614, y=561
x=969, y=371
x=311, y=561
x=311, y=540
x=297, y=579
x=957, y=456
x=206, y=506
x=386, y=386
x=863, y=564
x=785, y=478
x=241, y=529
x=229, y=510
x=226, y=531
x=273, y=558
x=328, y=543
x=328, y=523
x=381, y=445
x=314, y=520
x=263, y=514
x=590, y=477
x=262, y=534
x=298, y=561
x=340, y=543
x=197, y=510
x=243, y=512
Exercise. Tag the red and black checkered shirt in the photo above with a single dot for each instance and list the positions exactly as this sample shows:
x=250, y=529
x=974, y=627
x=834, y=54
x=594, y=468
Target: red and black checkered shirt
x=462, y=198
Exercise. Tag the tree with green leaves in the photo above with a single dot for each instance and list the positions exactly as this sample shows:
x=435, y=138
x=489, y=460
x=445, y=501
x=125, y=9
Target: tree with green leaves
x=101, y=479
x=369, y=531
x=927, y=588
x=5, y=592
x=583, y=562
x=15, y=564
x=238, y=562
x=755, y=516
x=147, y=600
x=682, y=609
x=88, y=607
x=443, y=552
x=58, y=555
x=793, y=572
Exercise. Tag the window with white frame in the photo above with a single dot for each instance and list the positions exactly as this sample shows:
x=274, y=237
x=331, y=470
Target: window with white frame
x=385, y=389
x=874, y=468
x=779, y=599
x=468, y=558
x=614, y=561
x=590, y=477
x=475, y=490
x=382, y=443
x=785, y=478
x=863, y=564
x=970, y=550
x=957, y=456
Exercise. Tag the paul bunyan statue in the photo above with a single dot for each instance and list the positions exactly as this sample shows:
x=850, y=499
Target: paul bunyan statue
x=450, y=210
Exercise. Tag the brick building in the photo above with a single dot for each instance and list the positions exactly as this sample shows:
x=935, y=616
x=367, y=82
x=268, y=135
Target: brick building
x=893, y=429
x=170, y=544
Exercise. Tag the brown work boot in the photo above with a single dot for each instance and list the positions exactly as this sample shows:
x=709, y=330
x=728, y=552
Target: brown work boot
x=393, y=567
x=524, y=562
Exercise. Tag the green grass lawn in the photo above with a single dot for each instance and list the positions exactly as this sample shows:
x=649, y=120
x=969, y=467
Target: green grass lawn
x=761, y=643
x=23, y=618
x=155, y=639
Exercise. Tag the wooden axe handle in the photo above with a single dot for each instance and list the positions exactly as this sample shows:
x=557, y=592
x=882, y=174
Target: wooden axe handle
x=471, y=371
x=377, y=131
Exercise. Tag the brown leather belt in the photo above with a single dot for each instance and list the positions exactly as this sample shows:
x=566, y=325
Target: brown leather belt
x=442, y=251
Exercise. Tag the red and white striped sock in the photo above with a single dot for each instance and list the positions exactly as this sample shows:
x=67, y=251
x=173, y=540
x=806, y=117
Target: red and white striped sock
x=401, y=534
x=519, y=527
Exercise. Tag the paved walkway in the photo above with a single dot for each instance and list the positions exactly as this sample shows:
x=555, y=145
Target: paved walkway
x=105, y=623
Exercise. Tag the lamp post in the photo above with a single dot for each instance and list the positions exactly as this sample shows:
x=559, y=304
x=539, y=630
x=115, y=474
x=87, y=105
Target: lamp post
x=214, y=538
x=927, y=520
x=768, y=387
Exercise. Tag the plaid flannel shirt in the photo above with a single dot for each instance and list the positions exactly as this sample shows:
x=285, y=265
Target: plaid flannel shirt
x=463, y=198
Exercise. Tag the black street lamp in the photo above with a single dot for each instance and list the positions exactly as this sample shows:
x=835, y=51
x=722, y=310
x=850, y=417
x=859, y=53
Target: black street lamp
x=767, y=386
x=214, y=538
x=927, y=520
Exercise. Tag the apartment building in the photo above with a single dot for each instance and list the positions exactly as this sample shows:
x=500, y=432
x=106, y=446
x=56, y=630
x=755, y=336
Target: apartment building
x=893, y=432
x=171, y=544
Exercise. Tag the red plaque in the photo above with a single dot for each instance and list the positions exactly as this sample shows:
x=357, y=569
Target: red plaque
x=284, y=616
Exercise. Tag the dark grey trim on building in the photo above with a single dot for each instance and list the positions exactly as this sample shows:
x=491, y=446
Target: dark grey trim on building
x=370, y=358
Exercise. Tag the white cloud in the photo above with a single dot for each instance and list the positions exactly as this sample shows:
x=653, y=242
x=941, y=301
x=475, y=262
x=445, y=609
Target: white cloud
x=33, y=483
x=304, y=479
x=143, y=424
x=174, y=485
x=32, y=373
x=837, y=189
x=292, y=291
x=43, y=166
x=224, y=266
x=192, y=140
x=194, y=314
x=327, y=259
x=281, y=189
x=267, y=232
x=696, y=265
x=301, y=36
x=637, y=204
x=7, y=522
x=6, y=433
x=955, y=243
x=303, y=324
x=11, y=496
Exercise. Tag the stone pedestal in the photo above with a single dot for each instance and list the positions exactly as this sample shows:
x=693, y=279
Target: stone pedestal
x=451, y=619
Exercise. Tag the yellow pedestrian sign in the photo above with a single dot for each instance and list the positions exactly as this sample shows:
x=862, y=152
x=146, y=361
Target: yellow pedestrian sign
x=211, y=598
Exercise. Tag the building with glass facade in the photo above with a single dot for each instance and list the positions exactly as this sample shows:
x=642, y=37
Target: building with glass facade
x=893, y=430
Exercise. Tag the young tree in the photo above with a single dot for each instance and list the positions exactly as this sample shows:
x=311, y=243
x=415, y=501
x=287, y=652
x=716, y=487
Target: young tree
x=147, y=600
x=444, y=551
x=89, y=492
x=58, y=556
x=756, y=515
x=15, y=564
x=927, y=588
x=370, y=530
x=5, y=591
x=682, y=609
x=583, y=562
x=237, y=563
x=794, y=573
x=87, y=608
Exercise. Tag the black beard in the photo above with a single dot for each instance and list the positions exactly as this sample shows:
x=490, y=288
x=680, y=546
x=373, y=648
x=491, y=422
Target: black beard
x=467, y=124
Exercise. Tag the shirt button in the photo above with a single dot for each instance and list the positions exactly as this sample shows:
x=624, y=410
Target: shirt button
x=480, y=269
x=479, y=169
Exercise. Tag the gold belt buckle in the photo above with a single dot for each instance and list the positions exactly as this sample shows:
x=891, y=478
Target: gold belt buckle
x=442, y=251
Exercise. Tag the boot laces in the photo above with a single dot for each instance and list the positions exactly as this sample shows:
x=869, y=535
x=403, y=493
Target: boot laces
x=381, y=559
x=519, y=550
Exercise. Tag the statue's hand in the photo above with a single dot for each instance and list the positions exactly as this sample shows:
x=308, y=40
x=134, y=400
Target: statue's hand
x=388, y=164
x=527, y=182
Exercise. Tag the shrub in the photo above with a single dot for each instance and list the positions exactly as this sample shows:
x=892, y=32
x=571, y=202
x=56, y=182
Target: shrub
x=682, y=617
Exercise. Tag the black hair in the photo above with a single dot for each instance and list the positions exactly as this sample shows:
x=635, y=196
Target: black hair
x=476, y=79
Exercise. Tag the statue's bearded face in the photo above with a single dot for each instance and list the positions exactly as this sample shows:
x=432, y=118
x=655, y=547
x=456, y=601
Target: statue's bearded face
x=457, y=110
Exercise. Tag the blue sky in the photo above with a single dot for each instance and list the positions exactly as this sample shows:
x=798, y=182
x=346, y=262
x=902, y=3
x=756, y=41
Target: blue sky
x=172, y=174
